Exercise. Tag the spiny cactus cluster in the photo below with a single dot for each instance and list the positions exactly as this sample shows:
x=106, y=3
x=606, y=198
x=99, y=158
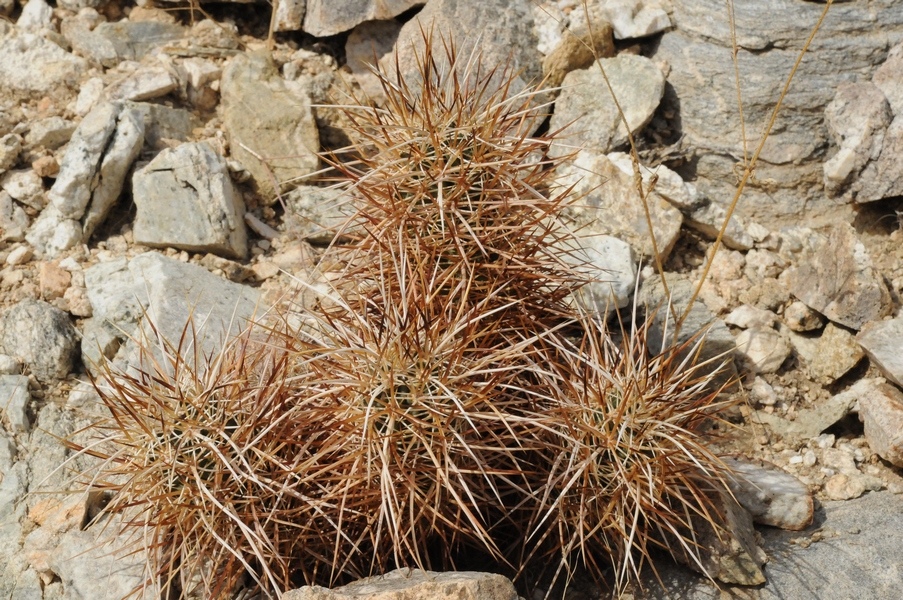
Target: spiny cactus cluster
x=449, y=396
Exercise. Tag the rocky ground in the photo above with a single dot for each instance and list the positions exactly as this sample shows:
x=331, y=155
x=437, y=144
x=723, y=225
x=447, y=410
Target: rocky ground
x=159, y=161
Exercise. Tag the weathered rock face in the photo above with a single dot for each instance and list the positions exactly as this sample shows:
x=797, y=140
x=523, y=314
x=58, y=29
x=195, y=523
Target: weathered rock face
x=185, y=199
x=41, y=336
x=414, y=584
x=271, y=127
x=789, y=174
x=835, y=276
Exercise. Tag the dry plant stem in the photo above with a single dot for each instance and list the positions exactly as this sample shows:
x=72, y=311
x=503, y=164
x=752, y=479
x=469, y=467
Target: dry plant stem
x=751, y=165
x=736, y=62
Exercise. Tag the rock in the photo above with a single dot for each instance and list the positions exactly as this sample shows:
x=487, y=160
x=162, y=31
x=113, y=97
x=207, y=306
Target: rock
x=770, y=35
x=549, y=26
x=800, y=318
x=834, y=353
x=25, y=186
x=881, y=411
x=163, y=124
x=36, y=15
x=599, y=206
x=857, y=119
x=762, y=393
x=365, y=47
x=414, y=584
x=270, y=125
x=90, y=180
x=879, y=179
x=49, y=133
x=41, y=336
x=9, y=365
x=31, y=64
x=111, y=43
x=10, y=147
x=317, y=214
x=889, y=79
x=53, y=280
x=881, y=341
x=185, y=199
x=145, y=84
x=750, y=317
x=612, y=268
x=810, y=422
x=834, y=275
x=14, y=399
x=717, y=344
x=765, y=348
x=329, y=17
x=843, y=487
x=586, y=106
x=707, y=217
x=170, y=293
x=289, y=14
x=628, y=18
x=772, y=496
x=578, y=49
x=19, y=256
x=13, y=220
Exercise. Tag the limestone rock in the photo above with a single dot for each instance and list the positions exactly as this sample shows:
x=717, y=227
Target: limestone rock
x=801, y=318
x=90, y=180
x=830, y=356
x=144, y=84
x=162, y=123
x=14, y=399
x=25, y=186
x=414, y=584
x=765, y=348
x=889, y=79
x=880, y=178
x=49, y=133
x=270, y=126
x=612, y=268
x=185, y=199
x=111, y=43
x=881, y=341
x=882, y=413
x=605, y=201
x=13, y=220
x=36, y=15
x=834, y=275
x=31, y=64
x=586, y=101
x=10, y=147
x=329, y=17
x=41, y=336
x=772, y=496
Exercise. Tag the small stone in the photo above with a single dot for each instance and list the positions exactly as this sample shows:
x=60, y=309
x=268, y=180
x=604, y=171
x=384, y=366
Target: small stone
x=36, y=15
x=289, y=14
x=881, y=341
x=748, y=317
x=41, y=336
x=836, y=353
x=19, y=256
x=882, y=413
x=31, y=64
x=146, y=84
x=765, y=348
x=329, y=17
x=578, y=50
x=800, y=317
x=771, y=496
x=53, y=280
x=844, y=487
x=13, y=220
x=611, y=266
x=46, y=166
x=10, y=147
x=762, y=393
x=9, y=365
x=50, y=133
x=264, y=270
x=25, y=186
x=185, y=199
x=14, y=399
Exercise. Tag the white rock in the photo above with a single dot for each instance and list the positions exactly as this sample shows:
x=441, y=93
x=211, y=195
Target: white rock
x=612, y=267
x=13, y=220
x=748, y=317
x=30, y=63
x=629, y=18
x=25, y=186
x=146, y=84
x=771, y=496
x=289, y=14
x=14, y=399
x=20, y=255
x=882, y=412
x=88, y=96
x=411, y=584
x=10, y=147
x=765, y=348
x=36, y=15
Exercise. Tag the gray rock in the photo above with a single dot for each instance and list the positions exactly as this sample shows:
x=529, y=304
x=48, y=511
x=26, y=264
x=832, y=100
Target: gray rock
x=100, y=342
x=889, y=79
x=185, y=199
x=270, y=126
x=164, y=123
x=857, y=118
x=90, y=180
x=750, y=317
x=13, y=220
x=880, y=178
x=605, y=201
x=882, y=413
x=850, y=550
x=111, y=43
x=14, y=399
x=317, y=214
x=707, y=217
x=289, y=14
x=586, y=106
x=612, y=268
x=810, y=422
x=365, y=47
x=764, y=348
x=9, y=365
x=834, y=275
x=717, y=344
x=10, y=147
x=145, y=84
x=41, y=336
x=31, y=64
x=414, y=584
x=772, y=496
x=770, y=35
x=49, y=133
x=881, y=341
x=829, y=356
x=329, y=17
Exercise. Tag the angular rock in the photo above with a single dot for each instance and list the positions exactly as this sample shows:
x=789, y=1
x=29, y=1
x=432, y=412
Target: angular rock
x=31, y=64
x=90, y=180
x=414, y=584
x=49, y=133
x=750, y=317
x=578, y=49
x=880, y=177
x=587, y=106
x=111, y=43
x=164, y=123
x=270, y=126
x=830, y=356
x=857, y=119
x=881, y=341
x=317, y=214
x=329, y=17
x=765, y=348
x=185, y=199
x=612, y=268
x=889, y=79
x=10, y=147
x=628, y=18
x=41, y=336
x=145, y=84
x=366, y=45
x=289, y=14
x=801, y=318
x=772, y=496
x=14, y=399
x=13, y=220
x=605, y=201
x=770, y=35
x=834, y=275
x=882, y=413
x=36, y=15
x=25, y=186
